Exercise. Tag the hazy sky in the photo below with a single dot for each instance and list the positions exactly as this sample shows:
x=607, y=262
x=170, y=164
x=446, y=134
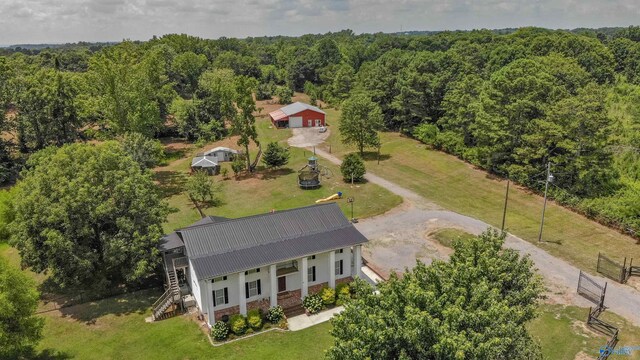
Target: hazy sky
x=53, y=21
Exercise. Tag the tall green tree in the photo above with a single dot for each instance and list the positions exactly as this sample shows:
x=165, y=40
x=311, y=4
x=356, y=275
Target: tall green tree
x=46, y=109
x=202, y=190
x=20, y=328
x=360, y=121
x=128, y=89
x=244, y=123
x=215, y=100
x=88, y=216
x=475, y=306
x=145, y=151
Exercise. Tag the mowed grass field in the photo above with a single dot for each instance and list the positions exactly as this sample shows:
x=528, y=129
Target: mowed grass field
x=266, y=190
x=458, y=186
x=115, y=329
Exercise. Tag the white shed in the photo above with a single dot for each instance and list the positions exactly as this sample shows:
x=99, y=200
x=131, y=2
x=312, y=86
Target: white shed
x=221, y=154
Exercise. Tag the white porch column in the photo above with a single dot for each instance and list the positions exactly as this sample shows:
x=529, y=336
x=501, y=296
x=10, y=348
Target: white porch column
x=357, y=254
x=207, y=299
x=273, y=283
x=241, y=292
x=305, y=278
x=332, y=269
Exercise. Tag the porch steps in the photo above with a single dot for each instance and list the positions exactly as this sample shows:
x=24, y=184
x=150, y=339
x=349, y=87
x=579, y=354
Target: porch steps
x=166, y=306
x=294, y=310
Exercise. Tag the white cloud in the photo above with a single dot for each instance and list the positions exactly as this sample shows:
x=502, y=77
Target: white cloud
x=94, y=20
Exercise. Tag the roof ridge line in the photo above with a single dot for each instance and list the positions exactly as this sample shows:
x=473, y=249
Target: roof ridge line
x=275, y=242
x=252, y=216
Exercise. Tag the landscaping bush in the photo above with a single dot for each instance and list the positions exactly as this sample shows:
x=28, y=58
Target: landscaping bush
x=352, y=165
x=312, y=303
x=220, y=331
x=238, y=324
x=343, y=294
x=328, y=296
x=238, y=165
x=254, y=318
x=275, y=314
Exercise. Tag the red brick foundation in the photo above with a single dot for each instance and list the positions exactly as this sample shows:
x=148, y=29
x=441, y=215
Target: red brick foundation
x=348, y=279
x=314, y=289
x=259, y=304
x=290, y=299
x=227, y=311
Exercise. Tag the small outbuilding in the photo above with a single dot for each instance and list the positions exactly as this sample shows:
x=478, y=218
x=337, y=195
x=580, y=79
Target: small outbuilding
x=221, y=154
x=298, y=115
x=205, y=163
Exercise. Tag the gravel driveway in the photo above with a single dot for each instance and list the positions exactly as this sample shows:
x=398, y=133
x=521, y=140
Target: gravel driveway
x=400, y=236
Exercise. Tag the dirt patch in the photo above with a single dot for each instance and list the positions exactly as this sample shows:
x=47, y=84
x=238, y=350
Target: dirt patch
x=307, y=137
x=583, y=356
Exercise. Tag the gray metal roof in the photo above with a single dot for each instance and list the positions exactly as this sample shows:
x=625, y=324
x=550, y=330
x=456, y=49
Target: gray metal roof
x=204, y=161
x=173, y=240
x=263, y=239
x=222, y=264
x=296, y=107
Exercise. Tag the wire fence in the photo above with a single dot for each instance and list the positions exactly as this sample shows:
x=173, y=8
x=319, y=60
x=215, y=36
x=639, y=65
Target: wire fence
x=594, y=292
x=591, y=290
x=53, y=302
x=611, y=269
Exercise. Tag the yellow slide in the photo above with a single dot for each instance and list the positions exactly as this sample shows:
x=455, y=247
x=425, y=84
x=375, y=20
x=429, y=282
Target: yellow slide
x=332, y=197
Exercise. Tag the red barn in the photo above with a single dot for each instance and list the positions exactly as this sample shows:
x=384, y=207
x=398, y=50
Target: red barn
x=297, y=115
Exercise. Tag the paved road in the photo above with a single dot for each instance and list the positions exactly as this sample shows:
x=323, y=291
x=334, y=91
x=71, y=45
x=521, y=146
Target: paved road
x=398, y=239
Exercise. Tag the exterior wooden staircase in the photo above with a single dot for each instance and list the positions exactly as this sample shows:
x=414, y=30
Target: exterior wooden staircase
x=166, y=306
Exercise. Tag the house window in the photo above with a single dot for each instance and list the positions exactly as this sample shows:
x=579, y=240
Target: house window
x=220, y=297
x=312, y=257
x=218, y=279
x=252, y=271
x=339, y=267
x=339, y=251
x=311, y=274
x=252, y=288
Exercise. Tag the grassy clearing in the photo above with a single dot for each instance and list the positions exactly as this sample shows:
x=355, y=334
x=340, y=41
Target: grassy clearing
x=562, y=333
x=447, y=236
x=115, y=329
x=456, y=185
x=268, y=189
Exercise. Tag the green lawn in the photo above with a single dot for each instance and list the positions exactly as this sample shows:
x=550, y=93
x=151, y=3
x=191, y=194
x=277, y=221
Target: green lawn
x=458, y=186
x=447, y=236
x=562, y=333
x=115, y=329
x=268, y=189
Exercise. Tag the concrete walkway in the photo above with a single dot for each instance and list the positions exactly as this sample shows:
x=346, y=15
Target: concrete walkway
x=404, y=228
x=304, y=321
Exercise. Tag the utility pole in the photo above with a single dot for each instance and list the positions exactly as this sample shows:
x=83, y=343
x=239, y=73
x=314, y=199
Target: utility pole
x=504, y=212
x=350, y=201
x=546, y=188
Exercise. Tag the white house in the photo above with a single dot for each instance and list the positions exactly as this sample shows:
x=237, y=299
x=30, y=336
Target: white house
x=230, y=266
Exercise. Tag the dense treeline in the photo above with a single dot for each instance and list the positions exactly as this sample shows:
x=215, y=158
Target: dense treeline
x=507, y=101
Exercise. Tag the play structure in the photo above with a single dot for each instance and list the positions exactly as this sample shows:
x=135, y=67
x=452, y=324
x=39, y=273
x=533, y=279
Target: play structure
x=309, y=176
x=335, y=196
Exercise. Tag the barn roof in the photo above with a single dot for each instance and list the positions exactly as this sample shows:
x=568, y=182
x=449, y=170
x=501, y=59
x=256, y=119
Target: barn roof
x=203, y=161
x=293, y=109
x=229, y=246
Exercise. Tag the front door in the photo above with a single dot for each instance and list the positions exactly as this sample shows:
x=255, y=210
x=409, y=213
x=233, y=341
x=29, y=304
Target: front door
x=282, y=284
x=309, y=123
x=318, y=122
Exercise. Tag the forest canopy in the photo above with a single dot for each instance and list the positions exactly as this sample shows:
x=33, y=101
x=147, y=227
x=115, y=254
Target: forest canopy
x=506, y=101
